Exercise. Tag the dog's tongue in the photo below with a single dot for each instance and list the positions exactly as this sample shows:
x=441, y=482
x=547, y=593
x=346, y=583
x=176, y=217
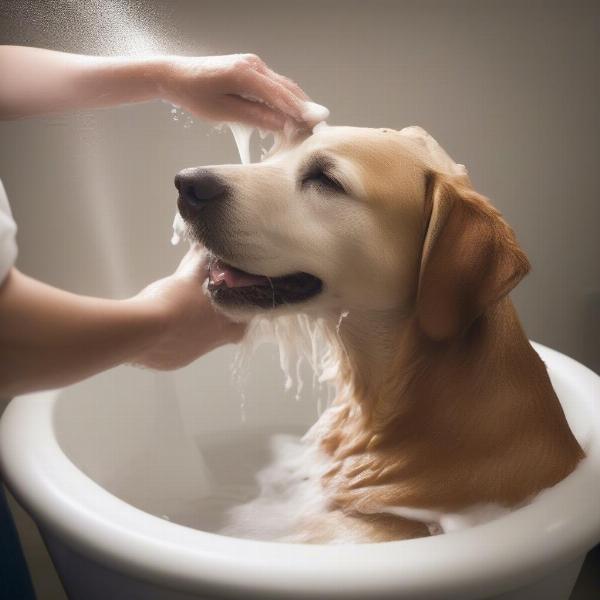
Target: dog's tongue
x=221, y=272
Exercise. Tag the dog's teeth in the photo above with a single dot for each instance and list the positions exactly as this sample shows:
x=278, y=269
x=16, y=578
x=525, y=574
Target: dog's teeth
x=217, y=273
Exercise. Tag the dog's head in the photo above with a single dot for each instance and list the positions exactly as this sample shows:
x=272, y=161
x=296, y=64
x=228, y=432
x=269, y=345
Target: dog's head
x=352, y=218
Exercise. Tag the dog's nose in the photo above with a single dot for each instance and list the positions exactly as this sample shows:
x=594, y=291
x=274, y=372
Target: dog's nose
x=197, y=187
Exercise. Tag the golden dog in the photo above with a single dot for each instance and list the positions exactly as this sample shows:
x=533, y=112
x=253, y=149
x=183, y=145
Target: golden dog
x=446, y=409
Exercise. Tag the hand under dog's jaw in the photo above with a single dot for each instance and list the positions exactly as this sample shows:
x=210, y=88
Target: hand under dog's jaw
x=231, y=287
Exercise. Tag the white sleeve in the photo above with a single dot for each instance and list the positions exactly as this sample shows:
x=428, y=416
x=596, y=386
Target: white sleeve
x=8, y=231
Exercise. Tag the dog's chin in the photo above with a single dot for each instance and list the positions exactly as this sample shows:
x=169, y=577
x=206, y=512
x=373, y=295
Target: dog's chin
x=240, y=292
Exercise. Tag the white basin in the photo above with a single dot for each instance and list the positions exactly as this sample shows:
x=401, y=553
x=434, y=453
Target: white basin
x=102, y=465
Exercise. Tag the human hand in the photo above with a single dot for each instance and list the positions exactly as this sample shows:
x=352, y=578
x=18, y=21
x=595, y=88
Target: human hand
x=190, y=326
x=235, y=88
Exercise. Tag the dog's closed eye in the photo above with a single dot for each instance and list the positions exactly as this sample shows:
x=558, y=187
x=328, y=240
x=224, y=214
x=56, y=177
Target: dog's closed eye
x=319, y=174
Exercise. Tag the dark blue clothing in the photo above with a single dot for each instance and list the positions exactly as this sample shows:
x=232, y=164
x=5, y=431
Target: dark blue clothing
x=15, y=582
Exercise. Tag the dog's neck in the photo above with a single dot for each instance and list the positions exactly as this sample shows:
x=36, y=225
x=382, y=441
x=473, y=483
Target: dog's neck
x=437, y=410
x=367, y=342
x=385, y=348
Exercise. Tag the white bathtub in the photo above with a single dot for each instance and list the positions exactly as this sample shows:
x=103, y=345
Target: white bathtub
x=98, y=464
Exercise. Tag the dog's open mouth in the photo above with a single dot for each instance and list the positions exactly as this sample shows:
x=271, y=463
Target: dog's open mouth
x=231, y=286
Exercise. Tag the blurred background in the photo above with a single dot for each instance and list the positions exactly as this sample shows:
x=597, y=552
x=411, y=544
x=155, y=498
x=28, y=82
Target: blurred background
x=510, y=89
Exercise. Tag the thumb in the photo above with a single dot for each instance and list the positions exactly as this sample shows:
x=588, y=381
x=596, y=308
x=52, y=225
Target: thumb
x=194, y=264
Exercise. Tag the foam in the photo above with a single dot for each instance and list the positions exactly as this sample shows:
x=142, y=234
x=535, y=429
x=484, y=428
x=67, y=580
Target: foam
x=314, y=113
x=290, y=490
x=242, y=135
x=299, y=339
x=291, y=502
x=179, y=229
x=441, y=522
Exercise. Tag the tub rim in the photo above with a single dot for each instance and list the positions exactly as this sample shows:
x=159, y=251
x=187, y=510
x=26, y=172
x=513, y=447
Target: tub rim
x=100, y=526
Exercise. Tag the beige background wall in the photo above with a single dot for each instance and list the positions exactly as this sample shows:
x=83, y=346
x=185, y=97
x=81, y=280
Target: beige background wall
x=511, y=89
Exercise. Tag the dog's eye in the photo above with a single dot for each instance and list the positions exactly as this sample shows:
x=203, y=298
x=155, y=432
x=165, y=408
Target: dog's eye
x=323, y=180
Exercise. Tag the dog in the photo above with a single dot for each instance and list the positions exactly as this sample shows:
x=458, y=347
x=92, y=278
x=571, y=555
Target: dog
x=446, y=413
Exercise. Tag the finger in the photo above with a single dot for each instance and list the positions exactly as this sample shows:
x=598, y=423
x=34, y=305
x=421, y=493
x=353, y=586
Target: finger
x=274, y=94
x=194, y=263
x=288, y=83
x=292, y=86
x=252, y=113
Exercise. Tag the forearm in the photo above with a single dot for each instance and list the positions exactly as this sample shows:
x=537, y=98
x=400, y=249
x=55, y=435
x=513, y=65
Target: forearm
x=50, y=338
x=37, y=81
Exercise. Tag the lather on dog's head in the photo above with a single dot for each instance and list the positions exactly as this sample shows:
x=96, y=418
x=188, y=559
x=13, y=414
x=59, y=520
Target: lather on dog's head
x=352, y=218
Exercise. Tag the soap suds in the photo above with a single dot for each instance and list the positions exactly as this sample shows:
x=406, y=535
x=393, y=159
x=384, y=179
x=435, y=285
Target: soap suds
x=242, y=134
x=291, y=502
x=289, y=493
x=179, y=229
x=299, y=339
x=314, y=113
x=439, y=522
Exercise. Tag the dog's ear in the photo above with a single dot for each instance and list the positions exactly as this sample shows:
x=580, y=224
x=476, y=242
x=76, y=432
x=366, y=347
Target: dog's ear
x=470, y=258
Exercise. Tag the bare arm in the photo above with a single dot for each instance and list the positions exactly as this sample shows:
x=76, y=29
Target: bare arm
x=220, y=88
x=37, y=81
x=50, y=338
